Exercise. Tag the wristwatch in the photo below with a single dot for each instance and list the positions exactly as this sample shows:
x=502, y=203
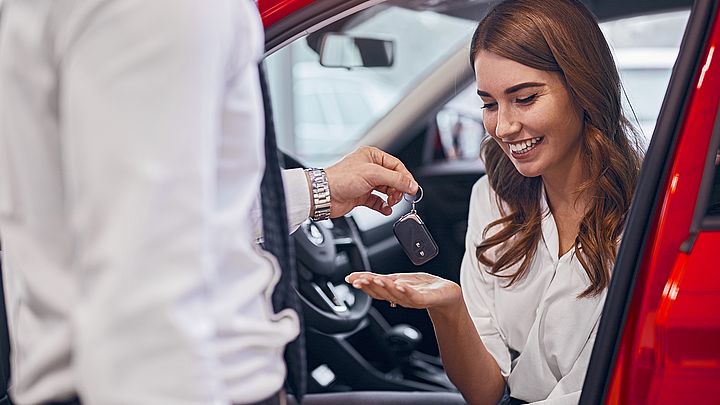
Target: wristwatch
x=320, y=194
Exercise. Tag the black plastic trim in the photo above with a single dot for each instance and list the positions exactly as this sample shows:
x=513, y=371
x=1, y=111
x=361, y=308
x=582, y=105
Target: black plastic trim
x=688, y=244
x=711, y=223
x=654, y=175
x=706, y=187
x=611, y=9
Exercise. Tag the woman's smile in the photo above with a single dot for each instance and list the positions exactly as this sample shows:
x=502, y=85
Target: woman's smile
x=523, y=149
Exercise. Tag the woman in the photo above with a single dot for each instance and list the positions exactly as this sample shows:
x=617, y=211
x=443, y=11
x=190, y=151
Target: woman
x=545, y=222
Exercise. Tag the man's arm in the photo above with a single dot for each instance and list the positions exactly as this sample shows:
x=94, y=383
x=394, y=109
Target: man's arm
x=352, y=181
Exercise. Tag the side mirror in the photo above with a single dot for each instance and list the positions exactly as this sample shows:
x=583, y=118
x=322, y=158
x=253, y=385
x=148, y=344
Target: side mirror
x=345, y=51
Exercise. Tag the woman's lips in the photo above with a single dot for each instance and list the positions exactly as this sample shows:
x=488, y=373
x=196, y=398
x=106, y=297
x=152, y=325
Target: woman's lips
x=524, y=149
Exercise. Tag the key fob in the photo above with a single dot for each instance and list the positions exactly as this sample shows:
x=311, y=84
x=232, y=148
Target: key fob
x=415, y=239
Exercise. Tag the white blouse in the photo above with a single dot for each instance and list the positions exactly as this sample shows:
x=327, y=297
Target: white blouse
x=539, y=317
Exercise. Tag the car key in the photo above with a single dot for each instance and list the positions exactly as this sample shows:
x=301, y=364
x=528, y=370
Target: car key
x=413, y=235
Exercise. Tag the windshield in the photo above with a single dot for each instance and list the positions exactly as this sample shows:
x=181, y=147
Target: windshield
x=321, y=112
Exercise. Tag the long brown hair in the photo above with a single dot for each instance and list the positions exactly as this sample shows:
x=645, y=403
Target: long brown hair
x=561, y=36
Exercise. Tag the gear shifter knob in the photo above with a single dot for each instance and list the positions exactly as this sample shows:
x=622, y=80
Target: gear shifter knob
x=403, y=339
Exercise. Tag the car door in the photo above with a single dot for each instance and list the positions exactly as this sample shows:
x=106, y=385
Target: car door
x=657, y=341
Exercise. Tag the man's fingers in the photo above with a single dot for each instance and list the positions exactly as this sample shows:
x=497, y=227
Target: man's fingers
x=393, y=195
x=393, y=164
x=380, y=176
x=376, y=203
x=387, y=160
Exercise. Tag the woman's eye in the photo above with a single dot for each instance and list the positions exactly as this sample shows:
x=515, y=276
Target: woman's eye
x=526, y=100
x=489, y=106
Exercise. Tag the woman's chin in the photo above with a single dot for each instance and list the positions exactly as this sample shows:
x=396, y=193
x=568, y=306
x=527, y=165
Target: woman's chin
x=528, y=170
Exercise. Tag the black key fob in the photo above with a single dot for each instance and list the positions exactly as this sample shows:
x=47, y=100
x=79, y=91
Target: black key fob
x=415, y=239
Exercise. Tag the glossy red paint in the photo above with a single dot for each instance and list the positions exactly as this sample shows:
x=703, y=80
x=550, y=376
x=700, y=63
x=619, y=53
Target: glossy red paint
x=670, y=350
x=273, y=11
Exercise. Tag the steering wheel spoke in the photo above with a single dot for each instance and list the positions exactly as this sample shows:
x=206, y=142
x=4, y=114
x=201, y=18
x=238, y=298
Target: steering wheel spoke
x=330, y=297
x=344, y=242
x=326, y=252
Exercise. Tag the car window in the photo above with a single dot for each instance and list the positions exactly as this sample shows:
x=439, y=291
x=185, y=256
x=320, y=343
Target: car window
x=322, y=112
x=309, y=110
x=645, y=49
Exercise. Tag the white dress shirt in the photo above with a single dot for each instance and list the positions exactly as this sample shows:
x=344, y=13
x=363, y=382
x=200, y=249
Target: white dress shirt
x=540, y=316
x=131, y=154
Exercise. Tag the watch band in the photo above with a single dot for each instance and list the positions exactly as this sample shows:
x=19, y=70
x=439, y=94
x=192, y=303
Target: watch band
x=320, y=194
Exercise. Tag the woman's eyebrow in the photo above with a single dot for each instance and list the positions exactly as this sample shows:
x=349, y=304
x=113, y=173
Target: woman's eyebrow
x=513, y=89
x=518, y=87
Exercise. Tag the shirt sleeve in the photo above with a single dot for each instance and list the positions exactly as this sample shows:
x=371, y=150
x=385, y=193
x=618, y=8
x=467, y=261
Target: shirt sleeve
x=297, y=197
x=297, y=202
x=477, y=285
x=143, y=91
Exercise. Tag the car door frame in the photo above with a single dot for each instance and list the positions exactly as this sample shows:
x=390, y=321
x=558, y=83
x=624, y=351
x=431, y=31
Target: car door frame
x=644, y=215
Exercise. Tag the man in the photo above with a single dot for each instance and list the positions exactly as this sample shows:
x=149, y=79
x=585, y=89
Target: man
x=131, y=155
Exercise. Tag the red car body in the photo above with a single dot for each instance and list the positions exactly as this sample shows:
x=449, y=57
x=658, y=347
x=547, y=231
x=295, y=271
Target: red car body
x=668, y=349
x=273, y=11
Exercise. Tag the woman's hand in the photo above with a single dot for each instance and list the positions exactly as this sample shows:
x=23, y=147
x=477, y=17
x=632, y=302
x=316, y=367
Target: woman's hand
x=411, y=290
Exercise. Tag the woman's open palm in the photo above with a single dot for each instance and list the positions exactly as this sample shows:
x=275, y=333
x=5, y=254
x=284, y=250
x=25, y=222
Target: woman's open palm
x=411, y=290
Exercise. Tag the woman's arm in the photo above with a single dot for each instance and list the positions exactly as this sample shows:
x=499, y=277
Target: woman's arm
x=475, y=365
x=467, y=362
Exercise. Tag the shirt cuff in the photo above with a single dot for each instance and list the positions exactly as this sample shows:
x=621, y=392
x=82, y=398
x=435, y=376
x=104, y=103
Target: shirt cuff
x=297, y=197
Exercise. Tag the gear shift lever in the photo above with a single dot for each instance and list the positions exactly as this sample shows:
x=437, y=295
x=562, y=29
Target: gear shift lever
x=403, y=340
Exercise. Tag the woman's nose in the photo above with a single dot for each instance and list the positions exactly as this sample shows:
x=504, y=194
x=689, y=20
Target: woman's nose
x=507, y=124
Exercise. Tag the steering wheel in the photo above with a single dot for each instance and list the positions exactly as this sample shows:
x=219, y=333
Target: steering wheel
x=326, y=252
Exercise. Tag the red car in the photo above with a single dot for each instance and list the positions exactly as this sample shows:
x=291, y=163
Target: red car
x=406, y=86
x=659, y=338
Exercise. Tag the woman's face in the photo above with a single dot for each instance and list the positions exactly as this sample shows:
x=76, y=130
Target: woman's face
x=530, y=114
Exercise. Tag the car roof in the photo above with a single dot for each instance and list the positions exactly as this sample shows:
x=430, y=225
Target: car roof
x=273, y=11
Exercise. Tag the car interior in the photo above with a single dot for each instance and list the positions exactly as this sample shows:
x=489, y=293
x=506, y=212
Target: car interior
x=434, y=126
x=395, y=75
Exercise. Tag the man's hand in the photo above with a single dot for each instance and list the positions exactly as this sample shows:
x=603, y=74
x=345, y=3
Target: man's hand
x=353, y=179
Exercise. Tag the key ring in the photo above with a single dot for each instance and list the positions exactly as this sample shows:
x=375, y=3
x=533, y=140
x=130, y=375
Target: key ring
x=413, y=200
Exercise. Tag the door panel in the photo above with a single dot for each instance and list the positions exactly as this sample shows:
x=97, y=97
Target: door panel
x=650, y=309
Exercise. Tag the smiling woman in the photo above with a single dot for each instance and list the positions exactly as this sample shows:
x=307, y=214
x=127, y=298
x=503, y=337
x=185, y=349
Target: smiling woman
x=574, y=108
x=544, y=225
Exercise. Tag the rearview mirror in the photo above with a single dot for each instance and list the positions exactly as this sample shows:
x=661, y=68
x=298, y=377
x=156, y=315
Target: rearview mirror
x=340, y=50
